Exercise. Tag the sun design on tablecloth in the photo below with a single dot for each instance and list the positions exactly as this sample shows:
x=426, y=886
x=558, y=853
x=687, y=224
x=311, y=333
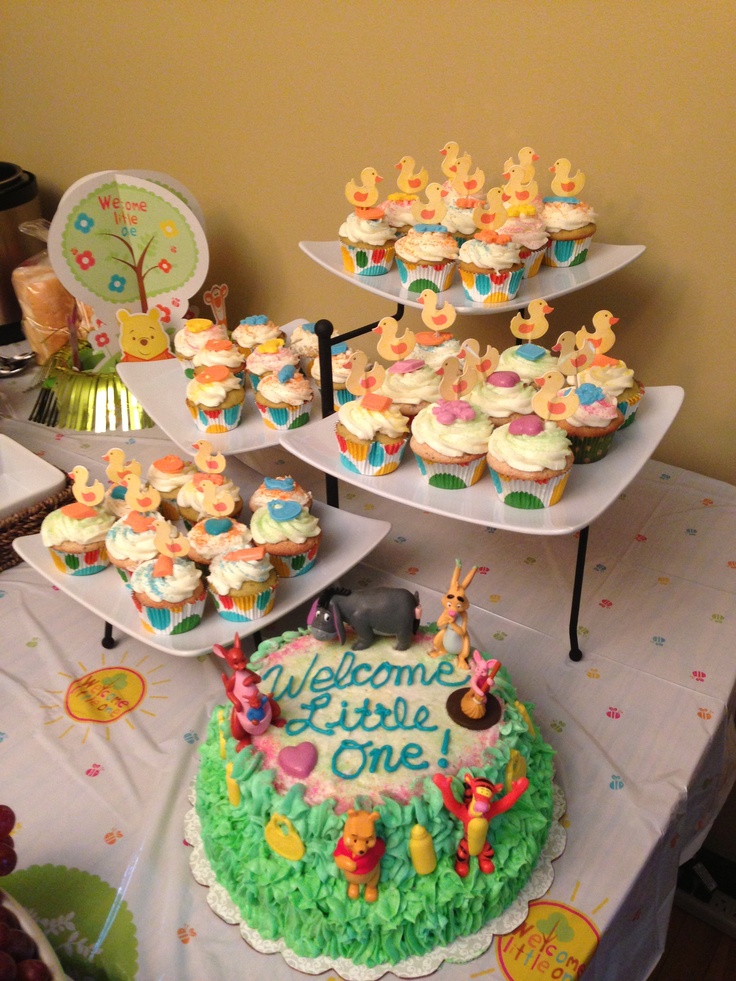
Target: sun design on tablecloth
x=105, y=694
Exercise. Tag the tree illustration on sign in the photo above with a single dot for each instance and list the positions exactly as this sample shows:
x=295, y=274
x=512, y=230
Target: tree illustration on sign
x=127, y=243
x=555, y=927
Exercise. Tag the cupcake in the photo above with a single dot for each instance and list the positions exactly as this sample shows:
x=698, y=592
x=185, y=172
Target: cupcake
x=194, y=335
x=272, y=355
x=117, y=471
x=196, y=497
x=252, y=331
x=503, y=396
x=243, y=584
x=212, y=536
x=397, y=212
x=131, y=541
x=425, y=258
x=435, y=346
x=75, y=536
x=279, y=489
x=526, y=229
x=458, y=219
x=215, y=399
x=617, y=380
x=305, y=343
x=114, y=501
x=411, y=385
x=529, y=361
x=490, y=268
x=569, y=221
x=372, y=434
x=168, y=475
x=219, y=351
x=341, y=366
x=530, y=461
x=449, y=441
x=284, y=398
x=367, y=243
x=290, y=534
x=169, y=594
x=591, y=427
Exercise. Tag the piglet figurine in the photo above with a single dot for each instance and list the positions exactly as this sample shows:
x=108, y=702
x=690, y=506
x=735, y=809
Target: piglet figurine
x=252, y=712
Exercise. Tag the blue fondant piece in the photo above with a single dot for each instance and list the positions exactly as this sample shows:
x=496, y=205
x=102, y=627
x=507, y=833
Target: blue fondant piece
x=530, y=352
x=430, y=228
x=284, y=510
x=309, y=328
x=553, y=197
x=340, y=348
x=217, y=526
x=286, y=373
x=589, y=393
x=279, y=483
x=256, y=320
x=118, y=492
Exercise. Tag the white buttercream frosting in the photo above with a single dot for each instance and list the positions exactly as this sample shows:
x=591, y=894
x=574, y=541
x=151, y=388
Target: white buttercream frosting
x=367, y=423
x=549, y=450
x=183, y=583
x=461, y=437
x=228, y=574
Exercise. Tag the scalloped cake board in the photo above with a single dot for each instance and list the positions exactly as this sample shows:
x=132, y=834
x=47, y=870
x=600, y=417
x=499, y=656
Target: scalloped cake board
x=459, y=951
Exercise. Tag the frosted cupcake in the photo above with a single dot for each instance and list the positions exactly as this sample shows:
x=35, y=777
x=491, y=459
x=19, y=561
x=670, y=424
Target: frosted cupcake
x=591, y=427
x=503, y=396
x=449, y=441
x=169, y=595
x=397, y=212
x=212, y=536
x=372, y=434
x=75, y=536
x=243, y=584
x=215, y=399
x=168, y=475
x=255, y=330
x=225, y=498
x=617, y=380
x=115, y=500
x=490, y=268
x=194, y=335
x=528, y=361
x=411, y=385
x=570, y=224
x=458, y=219
x=279, y=489
x=435, y=346
x=529, y=461
x=341, y=367
x=305, y=343
x=291, y=536
x=131, y=541
x=526, y=229
x=425, y=258
x=367, y=243
x=284, y=398
x=220, y=351
x=272, y=355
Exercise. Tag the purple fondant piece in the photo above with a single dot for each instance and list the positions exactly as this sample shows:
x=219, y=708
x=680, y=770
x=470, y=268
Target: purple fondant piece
x=504, y=379
x=526, y=426
x=407, y=366
x=298, y=761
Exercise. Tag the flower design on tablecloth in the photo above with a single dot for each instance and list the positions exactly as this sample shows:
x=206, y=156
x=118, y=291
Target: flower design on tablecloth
x=95, y=770
x=500, y=635
x=186, y=933
x=699, y=676
x=529, y=560
x=494, y=598
x=691, y=531
x=614, y=713
x=113, y=836
x=191, y=737
x=599, y=568
x=658, y=641
x=116, y=284
x=663, y=580
x=640, y=538
x=717, y=617
x=593, y=673
x=704, y=713
x=557, y=725
x=616, y=782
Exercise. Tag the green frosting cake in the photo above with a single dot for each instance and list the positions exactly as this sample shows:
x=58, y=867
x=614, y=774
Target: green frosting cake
x=364, y=744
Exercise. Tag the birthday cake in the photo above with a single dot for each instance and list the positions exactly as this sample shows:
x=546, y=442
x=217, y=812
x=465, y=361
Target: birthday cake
x=362, y=828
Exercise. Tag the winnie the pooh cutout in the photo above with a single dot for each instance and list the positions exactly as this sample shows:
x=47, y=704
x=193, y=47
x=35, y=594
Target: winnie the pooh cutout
x=142, y=336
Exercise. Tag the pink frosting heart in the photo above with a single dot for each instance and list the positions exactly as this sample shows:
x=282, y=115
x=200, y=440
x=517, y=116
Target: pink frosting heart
x=298, y=761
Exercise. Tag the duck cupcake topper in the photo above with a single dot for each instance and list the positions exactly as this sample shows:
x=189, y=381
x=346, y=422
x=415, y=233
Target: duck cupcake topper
x=450, y=155
x=140, y=496
x=431, y=211
x=391, y=346
x=573, y=357
x=411, y=181
x=207, y=460
x=466, y=184
x=563, y=185
x=362, y=378
x=434, y=317
x=535, y=324
x=363, y=196
x=602, y=337
x=489, y=216
x=552, y=401
x=527, y=158
x=171, y=544
x=117, y=466
x=458, y=379
x=485, y=364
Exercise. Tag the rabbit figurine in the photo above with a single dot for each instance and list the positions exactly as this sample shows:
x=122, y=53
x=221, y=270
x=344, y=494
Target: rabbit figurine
x=452, y=637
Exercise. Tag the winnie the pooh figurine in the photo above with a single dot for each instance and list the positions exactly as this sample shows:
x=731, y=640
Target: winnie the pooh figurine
x=142, y=337
x=359, y=853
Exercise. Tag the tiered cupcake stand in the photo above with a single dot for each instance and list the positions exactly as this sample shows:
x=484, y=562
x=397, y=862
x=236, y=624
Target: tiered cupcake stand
x=588, y=495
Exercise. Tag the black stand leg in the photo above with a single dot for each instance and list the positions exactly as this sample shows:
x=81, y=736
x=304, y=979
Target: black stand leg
x=108, y=641
x=575, y=653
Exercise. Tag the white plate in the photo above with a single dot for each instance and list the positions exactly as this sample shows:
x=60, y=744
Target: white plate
x=591, y=488
x=160, y=387
x=602, y=261
x=346, y=539
x=25, y=479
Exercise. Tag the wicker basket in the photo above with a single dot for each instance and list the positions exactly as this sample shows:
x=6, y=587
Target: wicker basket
x=28, y=522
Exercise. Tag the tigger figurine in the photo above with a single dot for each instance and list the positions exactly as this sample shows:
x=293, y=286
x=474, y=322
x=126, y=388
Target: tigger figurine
x=476, y=812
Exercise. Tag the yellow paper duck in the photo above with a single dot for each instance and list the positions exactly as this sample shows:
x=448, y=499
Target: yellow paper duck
x=492, y=214
x=434, y=317
x=571, y=357
x=364, y=195
x=535, y=324
x=602, y=337
x=85, y=493
x=552, y=401
x=457, y=378
x=431, y=211
x=117, y=468
x=171, y=545
x=464, y=183
x=409, y=181
x=563, y=185
x=362, y=380
x=207, y=461
x=516, y=190
x=140, y=496
x=485, y=364
x=216, y=501
x=450, y=153
x=526, y=156
x=391, y=346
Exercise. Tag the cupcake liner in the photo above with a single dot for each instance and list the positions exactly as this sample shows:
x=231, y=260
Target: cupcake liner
x=373, y=459
x=491, y=287
x=629, y=405
x=588, y=449
x=529, y=494
x=81, y=563
x=367, y=262
x=568, y=252
x=242, y=609
x=171, y=620
x=532, y=259
x=217, y=420
x=124, y=575
x=290, y=566
x=285, y=417
x=451, y=476
x=415, y=277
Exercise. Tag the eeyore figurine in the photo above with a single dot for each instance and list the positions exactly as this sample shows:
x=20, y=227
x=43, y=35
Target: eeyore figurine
x=381, y=610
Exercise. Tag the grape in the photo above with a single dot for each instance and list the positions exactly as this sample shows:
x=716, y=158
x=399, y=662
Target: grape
x=20, y=946
x=8, y=917
x=8, y=969
x=7, y=820
x=8, y=858
x=33, y=970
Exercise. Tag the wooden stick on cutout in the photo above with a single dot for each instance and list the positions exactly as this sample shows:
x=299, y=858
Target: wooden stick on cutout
x=602, y=338
x=434, y=317
x=485, y=364
x=457, y=379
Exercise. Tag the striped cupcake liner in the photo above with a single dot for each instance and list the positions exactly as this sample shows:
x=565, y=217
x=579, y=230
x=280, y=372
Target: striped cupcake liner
x=416, y=278
x=367, y=262
x=589, y=449
x=629, y=406
x=569, y=252
x=171, y=620
x=291, y=417
x=494, y=287
x=451, y=476
x=217, y=420
x=244, y=609
x=290, y=566
x=532, y=259
x=80, y=563
x=529, y=495
x=371, y=459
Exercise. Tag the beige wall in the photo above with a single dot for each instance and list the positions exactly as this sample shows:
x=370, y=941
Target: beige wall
x=265, y=110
